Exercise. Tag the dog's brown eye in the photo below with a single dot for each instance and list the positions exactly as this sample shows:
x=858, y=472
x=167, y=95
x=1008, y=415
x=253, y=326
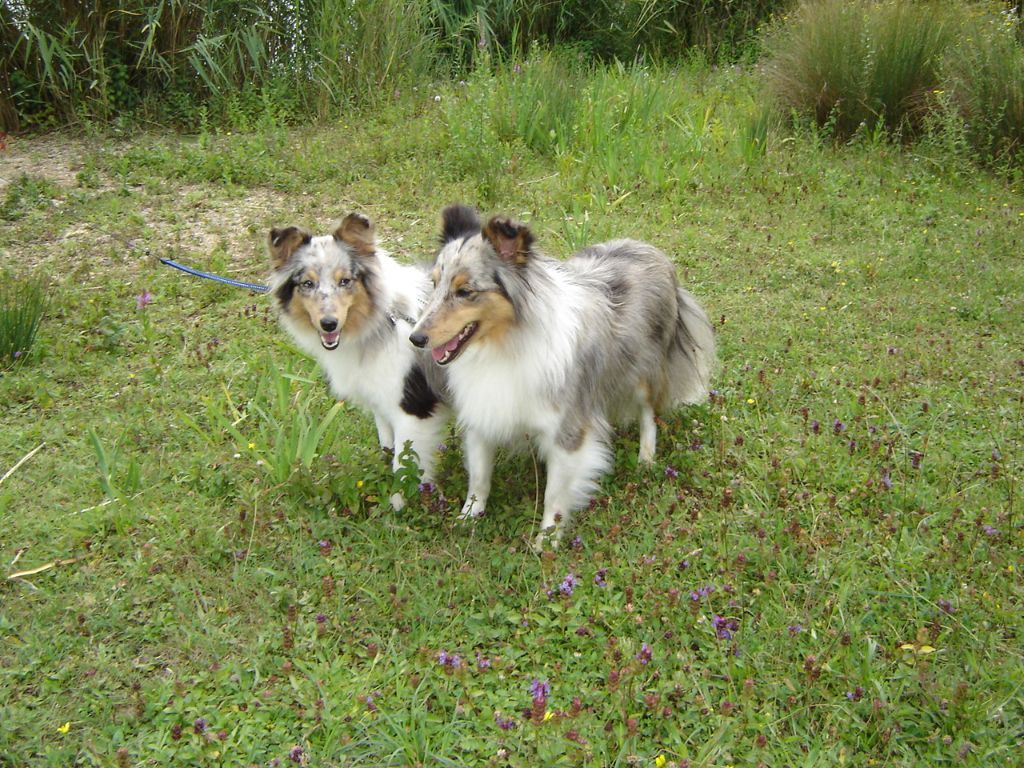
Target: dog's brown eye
x=464, y=293
x=345, y=282
x=308, y=285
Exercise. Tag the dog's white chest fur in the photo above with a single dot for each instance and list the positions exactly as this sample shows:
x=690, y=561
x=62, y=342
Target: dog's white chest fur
x=505, y=390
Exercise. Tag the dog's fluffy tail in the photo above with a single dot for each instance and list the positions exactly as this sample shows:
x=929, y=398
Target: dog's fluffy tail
x=692, y=356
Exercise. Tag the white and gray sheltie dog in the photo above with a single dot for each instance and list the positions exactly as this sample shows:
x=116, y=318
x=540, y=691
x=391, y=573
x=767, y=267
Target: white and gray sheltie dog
x=351, y=306
x=558, y=350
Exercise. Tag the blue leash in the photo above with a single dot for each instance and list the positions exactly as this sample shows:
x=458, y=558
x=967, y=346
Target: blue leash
x=256, y=287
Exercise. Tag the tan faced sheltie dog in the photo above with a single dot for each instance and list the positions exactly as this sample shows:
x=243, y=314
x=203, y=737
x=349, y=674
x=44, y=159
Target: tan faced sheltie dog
x=351, y=306
x=558, y=350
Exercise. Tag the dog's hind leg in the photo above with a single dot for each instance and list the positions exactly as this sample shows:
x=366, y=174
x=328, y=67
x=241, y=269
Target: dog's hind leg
x=648, y=434
x=648, y=426
x=479, y=456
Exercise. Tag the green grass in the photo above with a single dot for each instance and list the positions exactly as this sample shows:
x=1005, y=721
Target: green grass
x=230, y=588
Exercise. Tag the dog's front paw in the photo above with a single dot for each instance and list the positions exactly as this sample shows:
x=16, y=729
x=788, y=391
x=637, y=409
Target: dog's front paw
x=646, y=455
x=472, y=509
x=546, y=539
x=397, y=502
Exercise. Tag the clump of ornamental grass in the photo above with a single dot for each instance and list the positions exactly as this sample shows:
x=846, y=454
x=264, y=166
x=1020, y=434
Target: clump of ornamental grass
x=22, y=303
x=854, y=65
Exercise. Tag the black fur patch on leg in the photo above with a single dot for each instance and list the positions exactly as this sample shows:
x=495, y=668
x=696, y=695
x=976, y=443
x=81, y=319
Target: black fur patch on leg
x=418, y=399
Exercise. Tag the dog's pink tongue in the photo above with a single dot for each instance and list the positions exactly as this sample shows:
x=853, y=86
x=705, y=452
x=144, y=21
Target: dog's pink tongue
x=439, y=352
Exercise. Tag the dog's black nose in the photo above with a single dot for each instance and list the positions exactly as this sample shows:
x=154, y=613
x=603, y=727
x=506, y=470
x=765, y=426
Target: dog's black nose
x=328, y=324
x=419, y=340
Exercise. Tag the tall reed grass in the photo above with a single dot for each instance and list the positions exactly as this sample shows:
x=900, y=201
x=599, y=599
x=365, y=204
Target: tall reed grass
x=182, y=61
x=178, y=61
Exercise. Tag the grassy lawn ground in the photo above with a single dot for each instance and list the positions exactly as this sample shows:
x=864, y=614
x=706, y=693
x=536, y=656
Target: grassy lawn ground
x=823, y=568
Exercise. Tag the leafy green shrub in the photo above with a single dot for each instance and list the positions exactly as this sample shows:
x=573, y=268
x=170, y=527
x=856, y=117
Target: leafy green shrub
x=474, y=148
x=22, y=303
x=25, y=194
x=849, y=65
x=984, y=83
x=537, y=101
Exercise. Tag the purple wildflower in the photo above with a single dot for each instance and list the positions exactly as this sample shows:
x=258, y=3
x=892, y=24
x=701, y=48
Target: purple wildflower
x=945, y=605
x=795, y=629
x=505, y=723
x=702, y=592
x=143, y=299
x=815, y=426
x=915, y=459
x=540, y=689
x=569, y=583
x=599, y=577
x=886, y=478
x=295, y=755
x=645, y=656
x=838, y=427
x=482, y=662
x=427, y=488
x=199, y=726
x=576, y=543
x=671, y=472
x=683, y=565
x=325, y=547
x=724, y=627
x=989, y=530
x=450, y=661
x=517, y=68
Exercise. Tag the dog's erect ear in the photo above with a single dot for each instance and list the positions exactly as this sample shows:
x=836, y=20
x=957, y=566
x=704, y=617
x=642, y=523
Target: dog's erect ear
x=458, y=221
x=284, y=242
x=510, y=239
x=356, y=231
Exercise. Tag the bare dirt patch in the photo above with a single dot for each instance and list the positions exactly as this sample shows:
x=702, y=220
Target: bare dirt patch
x=54, y=157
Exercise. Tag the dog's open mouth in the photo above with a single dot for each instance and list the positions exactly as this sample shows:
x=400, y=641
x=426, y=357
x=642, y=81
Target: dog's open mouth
x=330, y=340
x=451, y=348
